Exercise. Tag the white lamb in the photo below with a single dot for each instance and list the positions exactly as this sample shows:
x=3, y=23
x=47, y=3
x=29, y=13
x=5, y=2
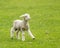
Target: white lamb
x=21, y=25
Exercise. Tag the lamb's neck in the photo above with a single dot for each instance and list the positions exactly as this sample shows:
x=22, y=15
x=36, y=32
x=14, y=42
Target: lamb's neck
x=25, y=22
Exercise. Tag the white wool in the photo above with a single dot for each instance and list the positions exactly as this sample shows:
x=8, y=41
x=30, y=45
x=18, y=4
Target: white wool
x=21, y=25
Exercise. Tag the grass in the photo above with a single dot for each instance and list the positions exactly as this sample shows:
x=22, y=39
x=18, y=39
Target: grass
x=44, y=23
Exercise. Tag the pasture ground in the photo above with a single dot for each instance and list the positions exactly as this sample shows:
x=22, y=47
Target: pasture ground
x=44, y=23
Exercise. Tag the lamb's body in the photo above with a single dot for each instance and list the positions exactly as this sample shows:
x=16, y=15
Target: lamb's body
x=21, y=25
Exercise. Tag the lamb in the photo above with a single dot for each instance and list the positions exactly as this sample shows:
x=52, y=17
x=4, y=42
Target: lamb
x=21, y=25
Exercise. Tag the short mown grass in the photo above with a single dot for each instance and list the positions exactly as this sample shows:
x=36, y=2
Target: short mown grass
x=44, y=23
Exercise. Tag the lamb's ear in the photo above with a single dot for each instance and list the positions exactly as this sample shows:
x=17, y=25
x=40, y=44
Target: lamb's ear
x=21, y=16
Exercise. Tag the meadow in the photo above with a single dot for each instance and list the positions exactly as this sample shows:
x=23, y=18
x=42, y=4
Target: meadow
x=44, y=23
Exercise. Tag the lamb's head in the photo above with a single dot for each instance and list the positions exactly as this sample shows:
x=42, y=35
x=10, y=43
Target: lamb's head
x=26, y=16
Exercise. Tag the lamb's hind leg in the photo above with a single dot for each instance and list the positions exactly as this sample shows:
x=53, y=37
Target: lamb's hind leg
x=18, y=34
x=12, y=32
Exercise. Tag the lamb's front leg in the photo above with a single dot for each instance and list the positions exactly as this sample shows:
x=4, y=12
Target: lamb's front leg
x=23, y=36
x=30, y=33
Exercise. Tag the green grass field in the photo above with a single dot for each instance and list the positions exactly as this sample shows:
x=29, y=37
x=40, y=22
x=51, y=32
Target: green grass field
x=44, y=23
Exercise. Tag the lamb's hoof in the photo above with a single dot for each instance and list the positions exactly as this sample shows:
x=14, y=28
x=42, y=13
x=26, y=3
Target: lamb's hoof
x=33, y=38
x=12, y=38
x=23, y=39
